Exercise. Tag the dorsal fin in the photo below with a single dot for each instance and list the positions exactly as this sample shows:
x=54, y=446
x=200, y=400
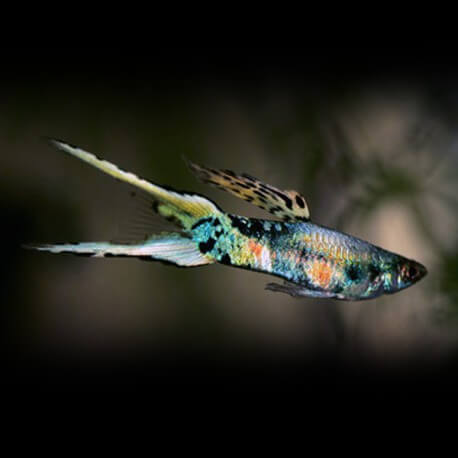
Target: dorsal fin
x=286, y=205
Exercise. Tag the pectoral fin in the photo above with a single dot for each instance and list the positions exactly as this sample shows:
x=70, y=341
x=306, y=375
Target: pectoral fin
x=285, y=205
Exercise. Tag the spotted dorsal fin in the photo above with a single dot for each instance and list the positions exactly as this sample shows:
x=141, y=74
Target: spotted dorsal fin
x=285, y=205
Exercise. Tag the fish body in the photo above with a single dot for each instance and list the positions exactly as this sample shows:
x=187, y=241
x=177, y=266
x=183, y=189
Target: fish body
x=313, y=261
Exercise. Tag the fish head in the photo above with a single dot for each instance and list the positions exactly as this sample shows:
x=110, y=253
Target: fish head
x=404, y=273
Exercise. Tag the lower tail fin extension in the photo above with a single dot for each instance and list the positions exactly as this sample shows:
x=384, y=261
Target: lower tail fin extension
x=172, y=248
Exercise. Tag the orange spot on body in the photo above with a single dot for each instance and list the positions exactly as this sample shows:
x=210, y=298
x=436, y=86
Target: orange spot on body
x=321, y=273
x=255, y=248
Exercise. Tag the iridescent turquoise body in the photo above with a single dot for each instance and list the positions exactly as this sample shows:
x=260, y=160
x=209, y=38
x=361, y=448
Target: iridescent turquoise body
x=314, y=260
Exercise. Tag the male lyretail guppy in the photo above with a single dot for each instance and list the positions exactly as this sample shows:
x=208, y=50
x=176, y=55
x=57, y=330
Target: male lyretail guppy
x=313, y=261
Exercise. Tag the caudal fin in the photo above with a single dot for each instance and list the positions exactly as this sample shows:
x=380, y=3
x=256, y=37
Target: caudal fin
x=172, y=248
x=180, y=207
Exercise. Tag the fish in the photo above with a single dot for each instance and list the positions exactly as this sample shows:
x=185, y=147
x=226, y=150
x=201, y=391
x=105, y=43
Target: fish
x=312, y=260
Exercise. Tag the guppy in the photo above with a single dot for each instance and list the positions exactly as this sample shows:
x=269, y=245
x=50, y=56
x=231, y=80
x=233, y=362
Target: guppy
x=313, y=260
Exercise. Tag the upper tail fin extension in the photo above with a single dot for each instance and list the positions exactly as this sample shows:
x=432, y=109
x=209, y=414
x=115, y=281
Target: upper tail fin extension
x=172, y=248
x=182, y=208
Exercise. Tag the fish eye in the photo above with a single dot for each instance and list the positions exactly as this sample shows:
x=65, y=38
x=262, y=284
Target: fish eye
x=413, y=271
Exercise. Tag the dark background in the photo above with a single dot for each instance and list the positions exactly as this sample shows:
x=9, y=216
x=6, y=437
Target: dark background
x=368, y=135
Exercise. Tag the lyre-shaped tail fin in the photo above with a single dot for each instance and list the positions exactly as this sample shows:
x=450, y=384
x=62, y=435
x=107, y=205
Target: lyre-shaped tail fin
x=286, y=205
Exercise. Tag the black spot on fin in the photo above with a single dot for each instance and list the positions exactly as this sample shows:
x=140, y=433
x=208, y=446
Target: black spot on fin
x=291, y=204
